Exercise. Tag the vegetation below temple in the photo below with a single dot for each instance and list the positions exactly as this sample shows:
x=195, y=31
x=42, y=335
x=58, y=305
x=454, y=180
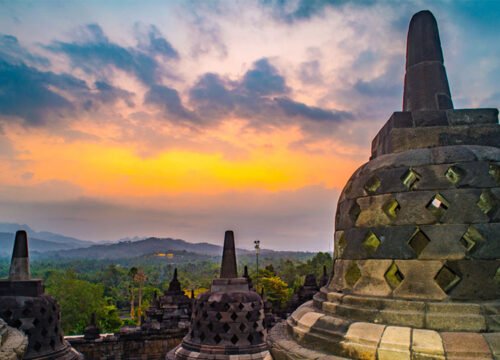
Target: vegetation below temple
x=101, y=278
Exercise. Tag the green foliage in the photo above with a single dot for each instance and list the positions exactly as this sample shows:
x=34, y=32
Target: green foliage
x=78, y=299
x=276, y=290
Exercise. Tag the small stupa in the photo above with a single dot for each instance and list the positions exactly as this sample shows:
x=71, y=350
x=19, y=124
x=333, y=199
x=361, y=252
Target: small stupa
x=25, y=306
x=228, y=320
x=170, y=311
x=416, y=270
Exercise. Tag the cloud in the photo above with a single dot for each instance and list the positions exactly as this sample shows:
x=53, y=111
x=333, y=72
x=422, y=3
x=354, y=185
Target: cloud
x=39, y=97
x=261, y=97
x=297, y=10
x=154, y=43
x=12, y=52
x=168, y=100
x=95, y=54
x=310, y=72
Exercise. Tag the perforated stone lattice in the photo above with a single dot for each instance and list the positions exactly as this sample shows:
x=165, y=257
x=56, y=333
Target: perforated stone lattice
x=419, y=241
x=410, y=179
x=393, y=276
x=228, y=323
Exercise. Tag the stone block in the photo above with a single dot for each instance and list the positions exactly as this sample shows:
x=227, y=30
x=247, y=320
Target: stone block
x=455, y=322
x=418, y=281
x=429, y=118
x=477, y=279
x=426, y=344
x=444, y=242
x=465, y=345
x=493, y=340
x=395, y=343
x=472, y=117
x=362, y=339
x=372, y=280
x=490, y=248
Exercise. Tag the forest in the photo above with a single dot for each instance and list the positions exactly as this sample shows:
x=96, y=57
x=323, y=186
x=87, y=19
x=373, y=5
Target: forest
x=114, y=288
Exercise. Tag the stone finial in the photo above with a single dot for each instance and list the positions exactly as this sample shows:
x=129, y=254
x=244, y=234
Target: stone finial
x=20, y=263
x=228, y=268
x=174, y=285
x=426, y=84
x=92, y=331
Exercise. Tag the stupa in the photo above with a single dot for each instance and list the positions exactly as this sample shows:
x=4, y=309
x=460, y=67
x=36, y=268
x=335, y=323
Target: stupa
x=25, y=306
x=228, y=320
x=417, y=234
x=170, y=311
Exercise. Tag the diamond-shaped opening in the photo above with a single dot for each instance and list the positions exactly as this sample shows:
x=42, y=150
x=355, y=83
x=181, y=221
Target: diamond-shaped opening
x=26, y=311
x=251, y=338
x=234, y=339
x=204, y=315
x=354, y=212
x=226, y=327
x=202, y=336
x=36, y=322
x=438, y=205
x=17, y=323
x=371, y=242
x=234, y=316
x=419, y=241
x=391, y=208
x=210, y=326
x=241, y=306
x=487, y=202
x=44, y=332
x=7, y=314
x=248, y=316
x=37, y=346
x=447, y=279
x=218, y=316
x=352, y=274
x=393, y=276
x=217, y=338
x=410, y=179
x=43, y=310
x=52, y=344
x=494, y=172
x=341, y=244
x=454, y=174
x=225, y=307
x=256, y=325
x=372, y=184
x=471, y=238
x=56, y=329
x=50, y=319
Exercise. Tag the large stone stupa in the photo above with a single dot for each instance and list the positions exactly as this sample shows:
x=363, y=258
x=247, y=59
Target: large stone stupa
x=25, y=306
x=227, y=321
x=417, y=234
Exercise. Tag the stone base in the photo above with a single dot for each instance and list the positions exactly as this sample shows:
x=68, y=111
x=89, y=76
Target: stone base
x=330, y=327
x=179, y=353
x=13, y=343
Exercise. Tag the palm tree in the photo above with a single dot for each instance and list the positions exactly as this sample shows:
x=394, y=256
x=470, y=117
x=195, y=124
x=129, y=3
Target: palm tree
x=132, y=273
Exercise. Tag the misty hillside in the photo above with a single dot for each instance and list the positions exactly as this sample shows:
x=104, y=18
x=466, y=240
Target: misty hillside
x=67, y=241
x=131, y=249
x=134, y=249
x=35, y=245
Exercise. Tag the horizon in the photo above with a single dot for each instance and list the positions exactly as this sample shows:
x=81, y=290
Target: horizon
x=182, y=119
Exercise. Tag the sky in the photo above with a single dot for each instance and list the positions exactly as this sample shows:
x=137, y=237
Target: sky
x=186, y=118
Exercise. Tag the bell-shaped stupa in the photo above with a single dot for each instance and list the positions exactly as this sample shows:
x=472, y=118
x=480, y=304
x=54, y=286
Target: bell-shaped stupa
x=227, y=321
x=25, y=306
x=417, y=234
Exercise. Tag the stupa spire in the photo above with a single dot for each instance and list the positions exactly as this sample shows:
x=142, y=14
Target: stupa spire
x=228, y=268
x=20, y=263
x=426, y=84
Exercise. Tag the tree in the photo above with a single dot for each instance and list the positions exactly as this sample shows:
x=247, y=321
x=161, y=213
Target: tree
x=78, y=299
x=276, y=290
x=132, y=273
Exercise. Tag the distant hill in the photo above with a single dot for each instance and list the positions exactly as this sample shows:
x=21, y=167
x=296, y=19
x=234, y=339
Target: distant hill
x=67, y=241
x=130, y=249
x=35, y=245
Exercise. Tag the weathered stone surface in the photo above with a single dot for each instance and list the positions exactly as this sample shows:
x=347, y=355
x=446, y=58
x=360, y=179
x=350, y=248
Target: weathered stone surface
x=372, y=280
x=462, y=345
x=427, y=344
x=418, y=280
x=361, y=340
x=13, y=343
x=493, y=341
x=395, y=343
